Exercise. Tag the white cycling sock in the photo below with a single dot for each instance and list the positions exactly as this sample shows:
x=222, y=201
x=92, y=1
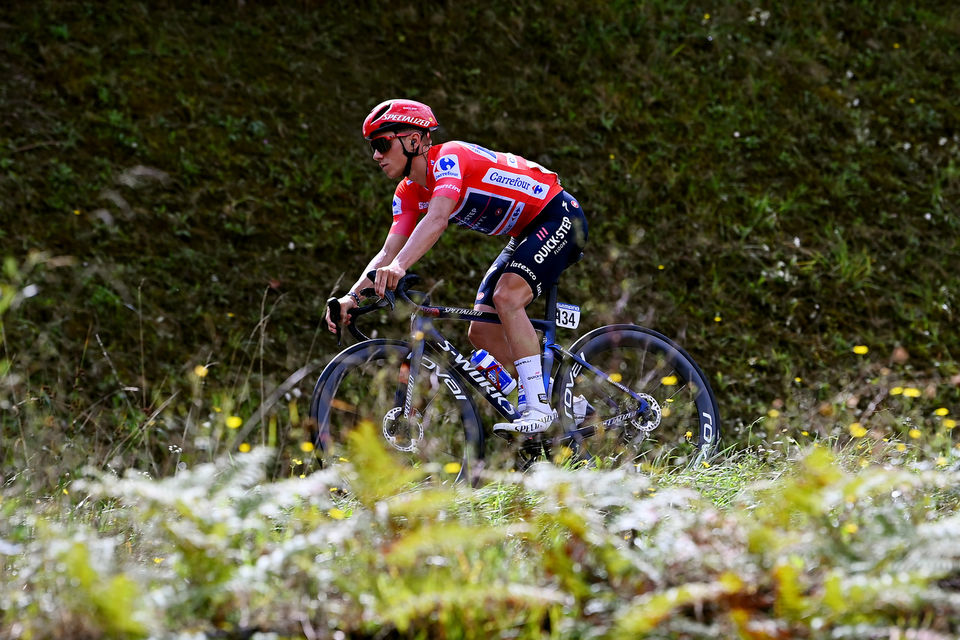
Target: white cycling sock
x=530, y=372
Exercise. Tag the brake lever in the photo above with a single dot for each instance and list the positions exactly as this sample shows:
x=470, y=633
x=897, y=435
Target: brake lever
x=333, y=306
x=389, y=296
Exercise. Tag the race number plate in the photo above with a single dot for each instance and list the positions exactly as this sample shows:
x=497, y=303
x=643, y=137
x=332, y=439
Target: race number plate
x=568, y=315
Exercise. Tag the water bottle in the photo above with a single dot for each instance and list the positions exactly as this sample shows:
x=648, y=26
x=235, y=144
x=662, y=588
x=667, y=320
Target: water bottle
x=486, y=364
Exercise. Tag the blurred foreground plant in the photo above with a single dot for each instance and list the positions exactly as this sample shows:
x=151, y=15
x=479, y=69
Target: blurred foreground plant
x=372, y=547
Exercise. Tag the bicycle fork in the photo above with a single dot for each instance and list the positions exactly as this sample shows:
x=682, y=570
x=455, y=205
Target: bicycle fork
x=617, y=421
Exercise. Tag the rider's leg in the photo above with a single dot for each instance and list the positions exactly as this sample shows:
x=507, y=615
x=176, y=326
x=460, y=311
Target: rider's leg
x=489, y=336
x=486, y=335
x=511, y=296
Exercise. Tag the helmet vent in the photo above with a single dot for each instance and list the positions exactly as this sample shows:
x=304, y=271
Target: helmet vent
x=382, y=111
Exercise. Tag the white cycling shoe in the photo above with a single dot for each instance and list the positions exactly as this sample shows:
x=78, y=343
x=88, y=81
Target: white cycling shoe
x=531, y=420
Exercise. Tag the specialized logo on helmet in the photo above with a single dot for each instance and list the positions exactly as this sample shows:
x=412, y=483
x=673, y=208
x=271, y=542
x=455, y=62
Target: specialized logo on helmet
x=423, y=123
x=447, y=166
x=394, y=114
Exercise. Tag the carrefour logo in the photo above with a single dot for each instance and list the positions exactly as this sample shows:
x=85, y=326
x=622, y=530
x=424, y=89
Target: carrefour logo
x=517, y=182
x=447, y=167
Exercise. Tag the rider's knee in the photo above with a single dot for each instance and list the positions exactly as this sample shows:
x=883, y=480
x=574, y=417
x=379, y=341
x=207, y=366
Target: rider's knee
x=512, y=293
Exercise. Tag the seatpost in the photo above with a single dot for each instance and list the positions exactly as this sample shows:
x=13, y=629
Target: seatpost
x=549, y=337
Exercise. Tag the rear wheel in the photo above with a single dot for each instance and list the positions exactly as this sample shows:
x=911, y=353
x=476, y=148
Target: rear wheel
x=669, y=419
x=367, y=383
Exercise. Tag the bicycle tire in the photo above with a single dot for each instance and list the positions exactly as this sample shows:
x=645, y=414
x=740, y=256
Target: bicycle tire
x=682, y=427
x=356, y=386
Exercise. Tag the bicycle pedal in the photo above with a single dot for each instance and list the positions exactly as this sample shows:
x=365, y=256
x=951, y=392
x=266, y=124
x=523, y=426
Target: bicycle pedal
x=524, y=439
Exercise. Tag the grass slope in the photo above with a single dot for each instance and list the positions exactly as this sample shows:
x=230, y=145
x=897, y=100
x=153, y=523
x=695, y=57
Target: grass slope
x=184, y=184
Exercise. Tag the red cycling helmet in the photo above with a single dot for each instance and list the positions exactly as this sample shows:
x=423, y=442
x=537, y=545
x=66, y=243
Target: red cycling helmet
x=395, y=114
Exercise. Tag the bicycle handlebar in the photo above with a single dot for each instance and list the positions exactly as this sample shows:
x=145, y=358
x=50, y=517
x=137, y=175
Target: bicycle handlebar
x=388, y=300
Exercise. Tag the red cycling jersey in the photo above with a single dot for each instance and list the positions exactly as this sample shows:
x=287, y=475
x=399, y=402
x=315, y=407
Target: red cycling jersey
x=496, y=193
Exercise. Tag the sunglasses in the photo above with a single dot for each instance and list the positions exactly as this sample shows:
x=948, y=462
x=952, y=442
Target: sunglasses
x=384, y=143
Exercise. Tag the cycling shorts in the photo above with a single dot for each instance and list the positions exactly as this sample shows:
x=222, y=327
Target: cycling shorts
x=549, y=244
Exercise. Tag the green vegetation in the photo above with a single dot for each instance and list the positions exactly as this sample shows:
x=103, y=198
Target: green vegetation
x=361, y=551
x=183, y=185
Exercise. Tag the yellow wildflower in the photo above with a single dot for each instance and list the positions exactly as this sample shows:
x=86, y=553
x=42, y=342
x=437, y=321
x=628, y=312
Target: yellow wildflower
x=234, y=422
x=942, y=411
x=857, y=430
x=861, y=349
x=451, y=467
x=200, y=371
x=306, y=447
x=244, y=447
x=949, y=423
x=911, y=392
x=915, y=434
x=337, y=514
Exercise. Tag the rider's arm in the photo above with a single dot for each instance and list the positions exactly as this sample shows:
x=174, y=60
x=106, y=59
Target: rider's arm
x=427, y=232
x=391, y=247
x=424, y=236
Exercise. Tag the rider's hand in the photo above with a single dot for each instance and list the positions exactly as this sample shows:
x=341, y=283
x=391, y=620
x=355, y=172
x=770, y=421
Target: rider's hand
x=388, y=277
x=346, y=303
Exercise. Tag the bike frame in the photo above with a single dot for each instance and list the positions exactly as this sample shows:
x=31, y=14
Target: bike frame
x=425, y=334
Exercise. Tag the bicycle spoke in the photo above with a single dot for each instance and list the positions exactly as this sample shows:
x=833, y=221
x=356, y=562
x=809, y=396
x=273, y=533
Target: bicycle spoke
x=370, y=386
x=666, y=418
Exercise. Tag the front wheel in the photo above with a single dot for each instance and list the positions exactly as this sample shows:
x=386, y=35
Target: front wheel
x=645, y=403
x=367, y=383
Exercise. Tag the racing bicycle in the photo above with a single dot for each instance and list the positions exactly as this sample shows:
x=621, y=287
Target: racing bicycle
x=625, y=394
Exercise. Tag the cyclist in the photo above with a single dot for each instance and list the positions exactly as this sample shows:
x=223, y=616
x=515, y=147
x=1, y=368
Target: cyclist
x=488, y=191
